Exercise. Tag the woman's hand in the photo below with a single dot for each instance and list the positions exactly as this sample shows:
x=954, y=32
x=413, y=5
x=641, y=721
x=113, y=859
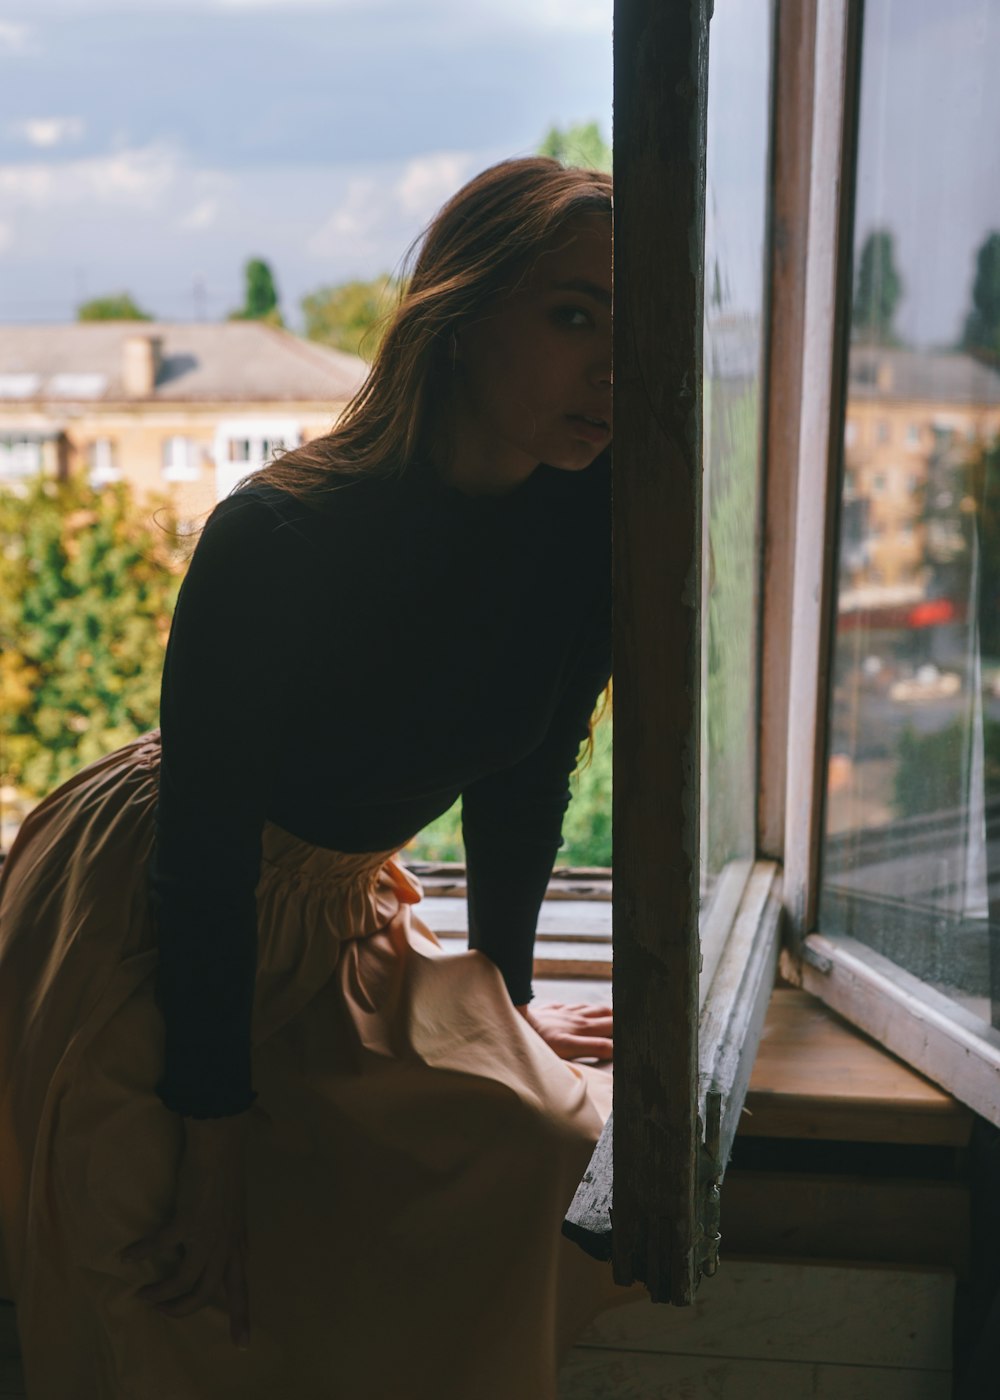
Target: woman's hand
x=573, y=1032
x=206, y=1236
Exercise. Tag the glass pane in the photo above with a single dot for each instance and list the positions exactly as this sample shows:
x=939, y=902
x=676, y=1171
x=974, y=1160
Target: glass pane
x=912, y=842
x=736, y=214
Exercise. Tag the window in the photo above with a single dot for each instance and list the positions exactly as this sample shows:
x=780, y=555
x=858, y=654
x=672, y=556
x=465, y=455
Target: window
x=255, y=452
x=181, y=459
x=245, y=445
x=892, y=886
x=241, y=450
x=883, y=431
x=20, y=457
x=687, y=641
x=879, y=484
x=102, y=456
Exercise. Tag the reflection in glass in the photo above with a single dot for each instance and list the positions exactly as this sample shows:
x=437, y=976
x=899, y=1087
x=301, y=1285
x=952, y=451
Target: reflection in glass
x=912, y=841
x=737, y=160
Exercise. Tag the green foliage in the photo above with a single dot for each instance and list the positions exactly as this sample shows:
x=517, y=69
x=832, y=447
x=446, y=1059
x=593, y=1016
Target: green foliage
x=350, y=315
x=982, y=325
x=930, y=768
x=261, y=297
x=878, y=289
x=88, y=583
x=581, y=144
x=119, y=306
x=728, y=702
x=586, y=827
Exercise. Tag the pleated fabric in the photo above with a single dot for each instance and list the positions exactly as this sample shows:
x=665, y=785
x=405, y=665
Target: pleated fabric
x=411, y=1153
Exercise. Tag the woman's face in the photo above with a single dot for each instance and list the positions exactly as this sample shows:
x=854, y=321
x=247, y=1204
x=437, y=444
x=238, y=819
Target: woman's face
x=533, y=373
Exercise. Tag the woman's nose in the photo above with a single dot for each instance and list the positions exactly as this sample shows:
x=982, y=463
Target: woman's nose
x=600, y=374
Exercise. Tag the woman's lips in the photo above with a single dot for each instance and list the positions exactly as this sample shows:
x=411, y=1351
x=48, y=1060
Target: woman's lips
x=592, y=432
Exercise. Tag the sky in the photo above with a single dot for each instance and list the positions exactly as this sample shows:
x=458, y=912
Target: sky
x=929, y=150
x=154, y=145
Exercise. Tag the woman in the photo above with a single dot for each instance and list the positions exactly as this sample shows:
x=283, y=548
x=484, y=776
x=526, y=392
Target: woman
x=245, y=1097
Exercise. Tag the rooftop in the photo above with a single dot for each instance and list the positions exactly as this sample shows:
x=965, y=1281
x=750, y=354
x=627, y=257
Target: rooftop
x=933, y=376
x=232, y=361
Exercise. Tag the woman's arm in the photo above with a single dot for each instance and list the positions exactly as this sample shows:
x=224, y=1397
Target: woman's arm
x=235, y=651
x=512, y=820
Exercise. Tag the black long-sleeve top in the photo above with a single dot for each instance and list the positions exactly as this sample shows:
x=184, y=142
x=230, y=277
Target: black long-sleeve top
x=347, y=673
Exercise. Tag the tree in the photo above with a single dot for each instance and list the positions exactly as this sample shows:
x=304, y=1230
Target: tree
x=348, y=315
x=261, y=298
x=88, y=582
x=580, y=144
x=119, y=306
x=878, y=289
x=982, y=324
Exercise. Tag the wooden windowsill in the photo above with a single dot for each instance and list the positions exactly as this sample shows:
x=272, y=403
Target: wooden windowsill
x=815, y=1076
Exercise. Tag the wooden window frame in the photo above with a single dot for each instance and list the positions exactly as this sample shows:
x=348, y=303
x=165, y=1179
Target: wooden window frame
x=910, y=1018
x=678, y=1096
x=661, y=1159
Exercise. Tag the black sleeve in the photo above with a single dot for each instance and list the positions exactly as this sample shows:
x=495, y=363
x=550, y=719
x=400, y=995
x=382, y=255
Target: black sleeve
x=235, y=649
x=512, y=822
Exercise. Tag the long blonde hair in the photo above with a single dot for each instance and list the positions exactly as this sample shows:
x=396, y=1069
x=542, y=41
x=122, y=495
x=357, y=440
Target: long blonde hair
x=479, y=245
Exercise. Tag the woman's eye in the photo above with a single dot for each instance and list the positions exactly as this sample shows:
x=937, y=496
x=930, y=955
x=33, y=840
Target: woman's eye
x=573, y=316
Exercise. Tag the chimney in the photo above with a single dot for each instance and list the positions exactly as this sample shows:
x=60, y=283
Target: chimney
x=141, y=359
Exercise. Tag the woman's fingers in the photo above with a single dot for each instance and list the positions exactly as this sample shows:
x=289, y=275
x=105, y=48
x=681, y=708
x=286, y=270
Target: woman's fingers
x=205, y=1289
x=595, y=1047
x=176, y=1285
x=160, y=1242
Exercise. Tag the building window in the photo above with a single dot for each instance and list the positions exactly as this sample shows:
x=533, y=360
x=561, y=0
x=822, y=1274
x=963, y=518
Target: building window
x=102, y=457
x=913, y=435
x=883, y=430
x=879, y=484
x=20, y=457
x=255, y=452
x=181, y=459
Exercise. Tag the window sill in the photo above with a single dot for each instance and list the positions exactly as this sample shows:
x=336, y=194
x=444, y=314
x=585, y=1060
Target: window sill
x=934, y=1034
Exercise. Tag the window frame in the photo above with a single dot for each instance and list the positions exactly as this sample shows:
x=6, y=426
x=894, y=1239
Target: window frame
x=677, y=1097
x=103, y=467
x=184, y=465
x=928, y=1030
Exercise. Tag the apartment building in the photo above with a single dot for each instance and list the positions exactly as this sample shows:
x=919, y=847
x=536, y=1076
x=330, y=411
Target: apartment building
x=913, y=417
x=184, y=410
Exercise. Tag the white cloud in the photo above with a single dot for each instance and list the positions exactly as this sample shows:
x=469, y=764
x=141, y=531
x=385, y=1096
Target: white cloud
x=429, y=180
x=579, y=16
x=388, y=208
x=138, y=178
x=14, y=37
x=290, y=4
x=201, y=215
x=47, y=131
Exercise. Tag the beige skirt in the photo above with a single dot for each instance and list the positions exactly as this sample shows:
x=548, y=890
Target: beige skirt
x=412, y=1150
